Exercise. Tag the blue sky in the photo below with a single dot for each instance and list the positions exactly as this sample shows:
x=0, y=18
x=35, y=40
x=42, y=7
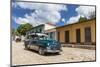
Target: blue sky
x=67, y=14
x=57, y=14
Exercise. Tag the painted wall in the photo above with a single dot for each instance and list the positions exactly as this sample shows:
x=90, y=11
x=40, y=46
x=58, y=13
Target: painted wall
x=72, y=31
x=48, y=26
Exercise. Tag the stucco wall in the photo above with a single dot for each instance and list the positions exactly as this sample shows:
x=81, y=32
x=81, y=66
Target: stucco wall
x=72, y=31
x=47, y=27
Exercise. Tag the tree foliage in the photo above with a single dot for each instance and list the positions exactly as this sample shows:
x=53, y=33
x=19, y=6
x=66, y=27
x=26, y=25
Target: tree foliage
x=17, y=33
x=82, y=19
x=22, y=29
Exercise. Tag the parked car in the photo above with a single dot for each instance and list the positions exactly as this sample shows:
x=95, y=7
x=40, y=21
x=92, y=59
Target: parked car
x=42, y=43
x=17, y=39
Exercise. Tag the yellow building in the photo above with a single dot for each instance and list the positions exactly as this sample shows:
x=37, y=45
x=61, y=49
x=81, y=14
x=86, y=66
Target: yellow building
x=76, y=33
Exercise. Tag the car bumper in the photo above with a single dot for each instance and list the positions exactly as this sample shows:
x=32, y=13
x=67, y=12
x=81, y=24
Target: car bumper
x=53, y=51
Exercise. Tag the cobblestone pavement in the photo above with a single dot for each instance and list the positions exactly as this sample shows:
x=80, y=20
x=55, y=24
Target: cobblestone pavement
x=20, y=56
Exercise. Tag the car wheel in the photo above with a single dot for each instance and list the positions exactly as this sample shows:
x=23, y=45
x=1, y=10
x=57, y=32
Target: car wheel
x=41, y=51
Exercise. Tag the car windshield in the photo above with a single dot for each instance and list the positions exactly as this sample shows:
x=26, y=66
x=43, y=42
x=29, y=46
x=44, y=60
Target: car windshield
x=39, y=37
x=44, y=38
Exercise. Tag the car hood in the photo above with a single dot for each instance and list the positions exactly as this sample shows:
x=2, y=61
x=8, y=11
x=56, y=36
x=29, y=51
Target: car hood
x=49, y=41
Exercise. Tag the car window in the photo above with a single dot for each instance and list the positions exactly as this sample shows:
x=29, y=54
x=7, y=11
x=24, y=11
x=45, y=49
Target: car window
x=44, y=38
x=28, y=37
x=36, y=37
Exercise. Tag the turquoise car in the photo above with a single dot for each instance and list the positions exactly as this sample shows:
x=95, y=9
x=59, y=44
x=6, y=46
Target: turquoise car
x=42, y=44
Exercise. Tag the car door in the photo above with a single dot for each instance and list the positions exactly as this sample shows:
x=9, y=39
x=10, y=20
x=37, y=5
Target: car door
x=34, y=44
x=26, y=42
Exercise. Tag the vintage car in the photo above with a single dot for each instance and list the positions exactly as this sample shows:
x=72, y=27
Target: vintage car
x=42, y=44
x=18, y=39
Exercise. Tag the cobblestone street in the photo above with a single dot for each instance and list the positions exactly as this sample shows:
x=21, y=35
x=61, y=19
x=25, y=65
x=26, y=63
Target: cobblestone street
x=20, y=56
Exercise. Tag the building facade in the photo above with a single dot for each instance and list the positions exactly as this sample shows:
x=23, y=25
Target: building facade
x=77, y=33
x=41, y=28
x=52, y=33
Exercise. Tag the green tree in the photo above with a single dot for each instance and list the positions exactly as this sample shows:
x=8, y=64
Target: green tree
x=82, y=19
x=17, y=33
x=22, y=29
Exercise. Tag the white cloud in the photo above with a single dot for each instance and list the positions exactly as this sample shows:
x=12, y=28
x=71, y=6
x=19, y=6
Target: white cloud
x=20, y=20
x=48, y=16
x=41, y=6
x=63, y=20
x=86, y=11
x=14, y=4
x=83, y=11
x=73, y=19
x=43, y=13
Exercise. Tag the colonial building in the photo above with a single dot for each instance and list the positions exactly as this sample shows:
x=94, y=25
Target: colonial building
x=52, y=33
x=76, y=33
x=41, y=28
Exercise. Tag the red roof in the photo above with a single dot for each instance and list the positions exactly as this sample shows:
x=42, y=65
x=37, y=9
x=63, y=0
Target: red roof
x=50, y=24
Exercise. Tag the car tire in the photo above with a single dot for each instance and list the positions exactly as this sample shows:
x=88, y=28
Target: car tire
x=41, y=51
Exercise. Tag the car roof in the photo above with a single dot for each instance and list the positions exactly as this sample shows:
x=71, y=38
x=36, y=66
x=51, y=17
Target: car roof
x=38, y=34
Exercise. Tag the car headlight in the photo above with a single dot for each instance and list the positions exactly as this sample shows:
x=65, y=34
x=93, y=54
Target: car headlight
x=48, y=47
x=48, y=44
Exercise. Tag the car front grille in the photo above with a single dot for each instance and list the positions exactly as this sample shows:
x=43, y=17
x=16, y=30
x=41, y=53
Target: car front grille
x=54, y=47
